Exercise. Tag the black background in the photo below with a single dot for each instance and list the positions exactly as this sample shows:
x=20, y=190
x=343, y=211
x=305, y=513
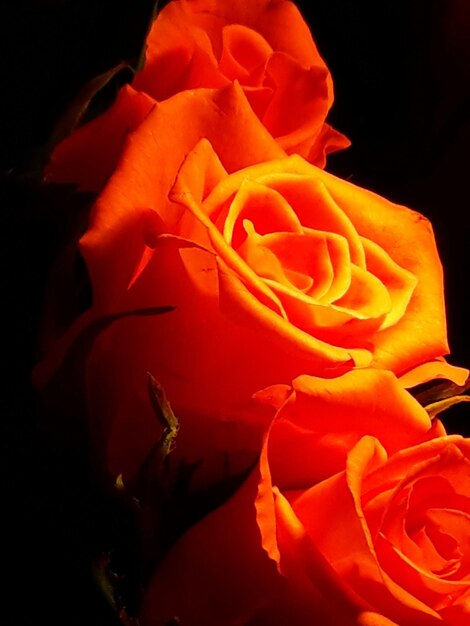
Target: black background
x=401, y=73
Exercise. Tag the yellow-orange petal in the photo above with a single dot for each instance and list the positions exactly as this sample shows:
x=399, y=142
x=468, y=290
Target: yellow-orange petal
x=399, y=283
x=308, y=254
x=313, y=203
x=434, y=369
x=238, y=303
x=265, y=207
x=369, y=618
x=367, y=298
x=408, y=238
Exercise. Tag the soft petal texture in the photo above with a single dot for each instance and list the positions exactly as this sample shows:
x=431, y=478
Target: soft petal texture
x=434, y=370
x=339, y=411
x=273, y=268
x=228, y=541
x=267, y=49
x=220, y=574
x=266, y=46
x=407, y=518
x=90, y=154
x=202, y=269
x=394, y=275
x=322, y=533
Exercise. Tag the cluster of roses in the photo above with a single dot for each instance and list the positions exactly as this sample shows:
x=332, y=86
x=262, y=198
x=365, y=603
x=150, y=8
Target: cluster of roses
x=285, y=312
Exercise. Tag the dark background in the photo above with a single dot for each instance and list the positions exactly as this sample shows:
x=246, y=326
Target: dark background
x=402, y=75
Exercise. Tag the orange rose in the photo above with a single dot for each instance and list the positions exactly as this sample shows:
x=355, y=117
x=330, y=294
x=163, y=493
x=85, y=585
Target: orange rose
x=266, y=46
x=408, y=518
x=275, y=269
x=332, y=527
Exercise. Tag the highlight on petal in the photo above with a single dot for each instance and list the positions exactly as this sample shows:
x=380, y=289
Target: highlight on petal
x=331, y=415
x=366, y=298
x=313, y=203
x=276, y=218
x=268, y=211
x=434, y=370
x=368, y=618
x=407, y=238
x=237, y=302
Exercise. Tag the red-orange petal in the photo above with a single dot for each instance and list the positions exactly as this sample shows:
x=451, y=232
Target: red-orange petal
x=90, y=154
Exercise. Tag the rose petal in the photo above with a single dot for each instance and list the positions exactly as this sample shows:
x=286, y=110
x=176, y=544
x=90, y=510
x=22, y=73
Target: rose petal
x=190, y=582
x=357, y=403
x=237, y=302
x=429, y=589
x=265, y=208
x=243, y=50
x=366, y=298
x=309, y=254
x=313, y=204
x=318, y=591
x=434, y=369
x=329, y=140
x=114, y=237
x=179, y=55
x=193, y=45
x=408, y=238
x=400, y=283
x=367, y=618
x=299, y=105
x=315, y=592
x=397, y=553
x=348, y=544
x=90, y=154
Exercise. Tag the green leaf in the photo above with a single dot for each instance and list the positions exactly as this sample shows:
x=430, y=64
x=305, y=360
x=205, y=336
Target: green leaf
x=437, y=391
x=108, y=583
x=79, y=105
x=165, y=416
x=100, y=568
x=141, y=59
x=435, y=408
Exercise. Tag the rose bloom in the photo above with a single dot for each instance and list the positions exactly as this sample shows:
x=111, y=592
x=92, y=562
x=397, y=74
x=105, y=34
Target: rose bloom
x=332, y=527
x=274, y=269
x=263, y=45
